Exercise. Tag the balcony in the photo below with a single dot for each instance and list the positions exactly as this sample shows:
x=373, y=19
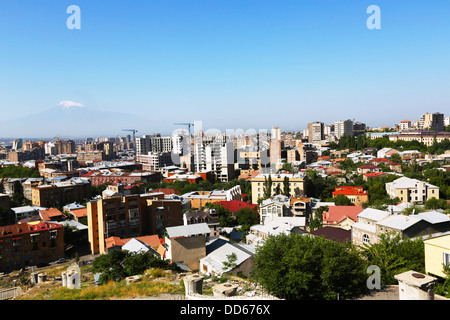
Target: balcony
x=111, y=225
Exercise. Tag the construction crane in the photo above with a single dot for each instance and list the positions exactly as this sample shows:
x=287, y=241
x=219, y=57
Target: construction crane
x=131, y=130
x=186, y=124
x=134, y=141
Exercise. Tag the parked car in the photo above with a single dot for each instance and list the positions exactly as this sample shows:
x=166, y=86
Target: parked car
x=62, y=260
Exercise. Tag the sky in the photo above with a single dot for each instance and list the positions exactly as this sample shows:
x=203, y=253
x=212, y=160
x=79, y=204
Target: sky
x=250, y=64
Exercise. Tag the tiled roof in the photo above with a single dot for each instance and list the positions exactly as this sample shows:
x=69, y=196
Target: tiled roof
x=50, y=213
x=236, y=205
x=336, y=214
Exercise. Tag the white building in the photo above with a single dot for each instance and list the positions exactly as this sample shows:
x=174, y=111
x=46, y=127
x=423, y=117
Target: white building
x=343, y=127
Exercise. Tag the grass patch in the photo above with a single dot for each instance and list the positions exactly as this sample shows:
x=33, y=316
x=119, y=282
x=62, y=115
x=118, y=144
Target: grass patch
x=110, y=290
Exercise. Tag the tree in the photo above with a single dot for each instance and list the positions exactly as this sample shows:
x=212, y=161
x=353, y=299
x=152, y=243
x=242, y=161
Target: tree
x=433, y=204
x=230, y=264
x=299, y=267
x=247, y=217
x=267, y=187
x=394, y=255
x=342, y=200
x=286, y=189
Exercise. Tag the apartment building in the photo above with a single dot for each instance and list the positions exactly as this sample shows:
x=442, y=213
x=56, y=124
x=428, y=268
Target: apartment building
x=426, y=137
x=98, y=177
x=156, y=143
x=343, y=127
x=61, y=193
x=91, y=156
x=30, y=244
x=433, y=121
x=154, y=161
x=215, y=154
x=315, y=132
x=411, y=190
x=130, y=216
x=296, y=184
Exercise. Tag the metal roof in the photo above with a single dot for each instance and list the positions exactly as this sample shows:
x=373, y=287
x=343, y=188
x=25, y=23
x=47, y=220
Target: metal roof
x=188, y=230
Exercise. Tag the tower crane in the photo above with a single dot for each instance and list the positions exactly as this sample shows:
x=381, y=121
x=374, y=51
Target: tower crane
x=131, y=130
x=186, y=124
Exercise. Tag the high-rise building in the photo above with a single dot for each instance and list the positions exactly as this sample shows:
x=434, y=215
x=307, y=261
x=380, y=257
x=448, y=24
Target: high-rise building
x=343, y=127
x=433, y=121
x=216, y=154
x=315, y=132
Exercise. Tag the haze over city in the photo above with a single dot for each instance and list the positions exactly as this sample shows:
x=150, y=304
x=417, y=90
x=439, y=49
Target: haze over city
x=229, y=64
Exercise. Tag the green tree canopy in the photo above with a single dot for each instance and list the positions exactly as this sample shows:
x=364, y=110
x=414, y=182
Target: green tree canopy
x=299, y=267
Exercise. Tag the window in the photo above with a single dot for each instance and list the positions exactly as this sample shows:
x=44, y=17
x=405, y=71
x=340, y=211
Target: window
x=366, y=238
x=446, y=259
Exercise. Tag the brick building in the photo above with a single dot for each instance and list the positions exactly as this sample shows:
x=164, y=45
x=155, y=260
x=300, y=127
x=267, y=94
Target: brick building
x=30, y=244
x=130, y=216
x=61, y=193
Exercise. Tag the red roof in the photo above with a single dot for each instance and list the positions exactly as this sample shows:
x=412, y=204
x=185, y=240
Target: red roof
x=79, y=213
x=374, y=174
x=236, y=205
x=166, y=191
x=50, y=213
x=152, y=240
x=379, y=160
x=349, y=191
x=336, y=214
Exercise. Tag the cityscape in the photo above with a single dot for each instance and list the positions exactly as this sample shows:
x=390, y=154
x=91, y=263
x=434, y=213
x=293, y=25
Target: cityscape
x=241, y=180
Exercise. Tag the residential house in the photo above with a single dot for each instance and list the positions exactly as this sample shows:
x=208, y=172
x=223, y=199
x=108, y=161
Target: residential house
x=51, y=214
x=218, y=252
x=275, y=226
x=437, y=254
x=209, y=217
x=152, y=241
x=186, y=244
x=357, y=195
x=301, y=207
x=411, y=190
x=341, y=216
x=368, y=168
x=277, y=206
x=371, y=224
x=386, y=152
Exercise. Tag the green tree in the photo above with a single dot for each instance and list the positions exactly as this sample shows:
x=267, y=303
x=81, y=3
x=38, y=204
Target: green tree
x=230, y=264
x=118, y=264
x=267, y=187
x=302, y=267
x=247, y=217
x=286, y=189
x=342, y=200
x=394, y=255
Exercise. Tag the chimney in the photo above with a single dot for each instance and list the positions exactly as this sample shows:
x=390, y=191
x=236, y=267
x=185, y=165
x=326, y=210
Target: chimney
x=415, y=286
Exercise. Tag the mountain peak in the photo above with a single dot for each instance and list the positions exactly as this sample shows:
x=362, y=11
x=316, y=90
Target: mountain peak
x=66, y=104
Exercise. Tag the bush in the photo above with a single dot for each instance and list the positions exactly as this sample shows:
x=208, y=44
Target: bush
x=117, y=264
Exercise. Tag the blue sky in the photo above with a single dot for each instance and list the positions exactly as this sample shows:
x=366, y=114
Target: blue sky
x=231, y=64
